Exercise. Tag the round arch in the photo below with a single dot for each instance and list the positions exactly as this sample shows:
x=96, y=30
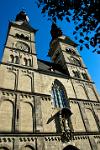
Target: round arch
x=71, y=147
x=27, y=147
x=5, y=147
x=6, y=117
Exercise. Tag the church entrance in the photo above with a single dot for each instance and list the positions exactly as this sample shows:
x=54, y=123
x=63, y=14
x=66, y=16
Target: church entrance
x=71, y=147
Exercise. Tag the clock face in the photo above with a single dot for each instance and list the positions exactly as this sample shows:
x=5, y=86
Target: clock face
x=22, y=46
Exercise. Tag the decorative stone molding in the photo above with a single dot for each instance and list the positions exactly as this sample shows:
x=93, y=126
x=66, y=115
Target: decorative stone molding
x=95, y=104
x=79, y=137
x=6, y=140
x=26, y=96
x=8, y=94
x=97, y=137
x=26, y=139
x=12, y=69
x=52, y=138
x=46, y=98
x=87, y=103
x=74, y=101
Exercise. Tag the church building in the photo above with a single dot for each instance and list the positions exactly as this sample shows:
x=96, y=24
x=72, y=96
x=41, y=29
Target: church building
x=46, y=105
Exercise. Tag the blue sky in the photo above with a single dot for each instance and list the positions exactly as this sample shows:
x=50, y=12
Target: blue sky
x=8, y=11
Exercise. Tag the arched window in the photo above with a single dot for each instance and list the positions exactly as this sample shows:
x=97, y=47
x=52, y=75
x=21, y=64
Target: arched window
x=27, y=147
x=16, y=60
x=59, y=95
x=25, y=61
x=11, y=58
x=29, y=63
x=22, y=36
x=17, y=35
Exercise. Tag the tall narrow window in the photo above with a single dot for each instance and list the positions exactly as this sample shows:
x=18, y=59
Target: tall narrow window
x=12, y=58
x=25, y=61
x=16, y=60
x=29, y=62
x=58, y=95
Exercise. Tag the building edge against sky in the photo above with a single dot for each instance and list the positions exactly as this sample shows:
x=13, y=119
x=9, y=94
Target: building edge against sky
x=46, y=105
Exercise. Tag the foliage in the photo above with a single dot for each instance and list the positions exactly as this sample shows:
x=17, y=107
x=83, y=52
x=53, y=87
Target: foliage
x=85, y=16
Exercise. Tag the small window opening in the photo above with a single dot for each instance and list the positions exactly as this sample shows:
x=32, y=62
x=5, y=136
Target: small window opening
x=16, y=60
x=85, y=76
x=76, y=74
x=25, y=61
x=12, y=58
x=29, y=62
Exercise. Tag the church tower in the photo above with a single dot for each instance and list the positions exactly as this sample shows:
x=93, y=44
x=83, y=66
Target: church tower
x=46, y=105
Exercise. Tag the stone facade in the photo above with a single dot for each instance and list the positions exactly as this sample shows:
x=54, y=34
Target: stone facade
x=28, y=118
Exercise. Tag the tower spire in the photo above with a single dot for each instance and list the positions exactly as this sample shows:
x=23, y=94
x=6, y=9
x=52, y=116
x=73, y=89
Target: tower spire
x=22, y=16
x=55, y=31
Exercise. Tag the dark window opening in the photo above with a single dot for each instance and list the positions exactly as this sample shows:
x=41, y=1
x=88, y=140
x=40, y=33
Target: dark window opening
x=70, y=51
x=17, y=114
x=22, y=36
x=25, y=61
x=71, y=147
x=29, y=62
x=85, y=76
x=16, y=60
x=76, y=74
x=17, y=35
x=12, y=58
x=76, y=62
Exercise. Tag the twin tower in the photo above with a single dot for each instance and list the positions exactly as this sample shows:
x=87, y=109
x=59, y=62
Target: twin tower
x=46, y=105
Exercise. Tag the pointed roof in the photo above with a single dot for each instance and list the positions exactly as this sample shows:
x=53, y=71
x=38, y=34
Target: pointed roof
x=22, y=22
x=55, y=31
x=23, y=25
x=22, y=16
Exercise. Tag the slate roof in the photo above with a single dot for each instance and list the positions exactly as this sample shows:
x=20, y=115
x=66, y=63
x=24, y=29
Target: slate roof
x=23, y=25
x=51, y=67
